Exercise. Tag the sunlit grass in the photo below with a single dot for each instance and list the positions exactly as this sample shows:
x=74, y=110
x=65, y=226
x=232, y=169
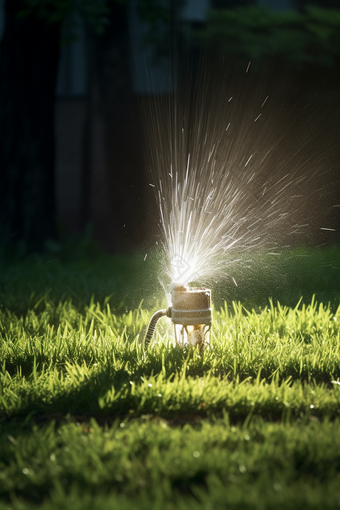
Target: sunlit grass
x=146, y=461
x=88, y=419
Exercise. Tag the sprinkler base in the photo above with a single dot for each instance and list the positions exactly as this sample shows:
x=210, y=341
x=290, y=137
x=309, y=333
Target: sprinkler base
x=190, y=313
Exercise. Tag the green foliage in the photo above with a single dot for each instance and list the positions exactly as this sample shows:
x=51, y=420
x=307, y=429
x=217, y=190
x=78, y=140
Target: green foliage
x=153, y=11
x=257, y=33
x=88, y=419
x=94, y=12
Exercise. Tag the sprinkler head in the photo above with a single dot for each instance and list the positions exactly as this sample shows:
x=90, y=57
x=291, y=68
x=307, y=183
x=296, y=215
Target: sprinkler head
x=191, y=315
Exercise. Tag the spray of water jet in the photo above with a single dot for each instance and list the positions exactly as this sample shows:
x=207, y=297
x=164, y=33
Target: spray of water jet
x=229, y=177
x=233, y=172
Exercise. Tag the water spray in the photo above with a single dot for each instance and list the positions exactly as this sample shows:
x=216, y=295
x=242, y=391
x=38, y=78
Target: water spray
x=190, y=313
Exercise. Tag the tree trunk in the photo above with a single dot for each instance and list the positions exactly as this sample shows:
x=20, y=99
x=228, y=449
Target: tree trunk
x=87, y=141
x=28, y=69
x=123, y=150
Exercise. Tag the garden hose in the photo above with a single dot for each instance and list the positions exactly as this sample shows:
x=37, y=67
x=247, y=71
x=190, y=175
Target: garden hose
x=152, y=324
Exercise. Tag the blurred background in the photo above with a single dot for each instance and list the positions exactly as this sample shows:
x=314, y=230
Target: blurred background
x=78, y=80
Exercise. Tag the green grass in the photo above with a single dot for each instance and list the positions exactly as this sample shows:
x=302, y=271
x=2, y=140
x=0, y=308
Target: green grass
x=90, y=420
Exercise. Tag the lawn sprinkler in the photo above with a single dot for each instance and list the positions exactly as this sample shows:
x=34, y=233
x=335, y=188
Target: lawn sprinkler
x=190, y=313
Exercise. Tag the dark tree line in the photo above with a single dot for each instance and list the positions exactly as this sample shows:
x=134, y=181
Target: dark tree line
x=28, y=70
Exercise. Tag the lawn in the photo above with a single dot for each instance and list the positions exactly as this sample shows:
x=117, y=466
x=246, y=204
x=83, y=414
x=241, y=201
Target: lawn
x=88, y=419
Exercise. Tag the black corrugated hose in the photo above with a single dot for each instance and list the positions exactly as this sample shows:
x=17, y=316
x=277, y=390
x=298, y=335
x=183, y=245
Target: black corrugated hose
x=152, y=325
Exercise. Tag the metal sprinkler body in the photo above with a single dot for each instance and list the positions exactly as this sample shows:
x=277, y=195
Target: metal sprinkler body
x=190, y=313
